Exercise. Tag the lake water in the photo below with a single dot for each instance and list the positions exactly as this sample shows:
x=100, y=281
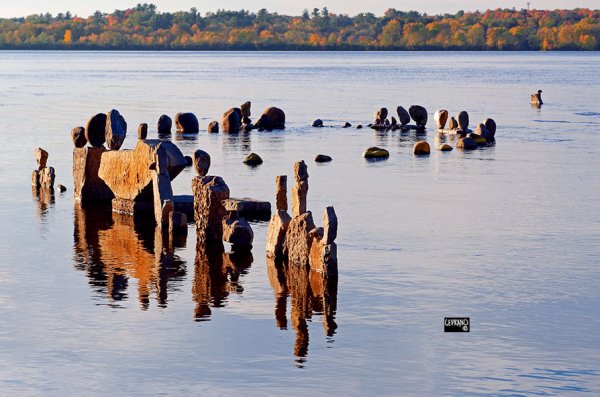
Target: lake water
x=508, y=235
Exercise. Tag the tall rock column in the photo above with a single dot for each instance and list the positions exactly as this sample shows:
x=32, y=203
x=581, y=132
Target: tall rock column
x=300, y=189
x=279, y=221
x=209, y=193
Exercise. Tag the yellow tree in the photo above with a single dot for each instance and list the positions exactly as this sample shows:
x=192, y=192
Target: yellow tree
x=67, y=37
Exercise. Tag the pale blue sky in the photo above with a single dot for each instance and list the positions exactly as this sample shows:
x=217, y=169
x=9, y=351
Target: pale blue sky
x=11, y=8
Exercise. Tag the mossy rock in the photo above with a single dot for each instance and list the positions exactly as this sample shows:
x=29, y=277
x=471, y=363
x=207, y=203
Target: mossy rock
x=376, y=153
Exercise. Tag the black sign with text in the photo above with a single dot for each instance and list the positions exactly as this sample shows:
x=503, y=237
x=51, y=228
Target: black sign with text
x=457, y=324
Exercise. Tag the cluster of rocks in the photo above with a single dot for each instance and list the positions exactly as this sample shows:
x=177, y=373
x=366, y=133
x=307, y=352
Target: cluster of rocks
x=296, y=240
x=217, y=217
x=416, y=112
x=109, y=128
x=238, y=119
x=43, y=177
x=485, y=131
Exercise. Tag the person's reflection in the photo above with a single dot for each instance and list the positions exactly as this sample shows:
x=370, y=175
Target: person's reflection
x=216, y=275
x=310, y=292
x=112, y=247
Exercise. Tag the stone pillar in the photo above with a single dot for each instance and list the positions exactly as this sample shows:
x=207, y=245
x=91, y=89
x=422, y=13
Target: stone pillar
x=281, y=194
x=209, y=192
x=300, y=189
x=163, y=193
x=297, y=239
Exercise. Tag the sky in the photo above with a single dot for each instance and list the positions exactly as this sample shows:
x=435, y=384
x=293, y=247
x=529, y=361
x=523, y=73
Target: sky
x=18, y=8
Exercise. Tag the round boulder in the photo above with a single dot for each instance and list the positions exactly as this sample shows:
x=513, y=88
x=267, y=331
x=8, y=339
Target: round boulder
x=78, y=137
x=347, y=124
x=421, y=147
x=95, y=130
x=317, y=123
x=440, y=117
x=322, y=158
x=359, y=126
x=403, y=115
x=231, y=121
x=187, y=123
x=463, y=120
x=445, y=147
x=252, y=159
x=201, y=162
x=276, y=116
x=376, y=153
x=418, y=114
x=213, y=126
x=164, y=124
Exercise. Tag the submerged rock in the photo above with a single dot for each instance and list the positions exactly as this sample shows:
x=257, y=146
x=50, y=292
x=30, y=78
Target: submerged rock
x=421, y=147
x=245, y=110
x=187, y=123
x=376, y=153
x=445, y=147
x=317, y=123
x=322, y=158
x=237, y=232
x=466, y=144
x=381, y=116
x=253, y=159
x=347, y=125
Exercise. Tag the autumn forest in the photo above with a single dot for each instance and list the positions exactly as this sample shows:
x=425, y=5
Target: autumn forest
x=145, y=28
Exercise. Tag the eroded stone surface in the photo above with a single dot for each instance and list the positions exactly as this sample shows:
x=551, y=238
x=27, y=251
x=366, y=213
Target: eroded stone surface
x=281, y=193
x=116, y=130
x=277, y=231
x=237, y=232
x=323, y=258
x=300, y=171
x=209, y=193
x=78, y=137
x=299, y=195
x=297, y=239
x=41, y=157
x=142, y=131
x=201, y=162
x=187, y=123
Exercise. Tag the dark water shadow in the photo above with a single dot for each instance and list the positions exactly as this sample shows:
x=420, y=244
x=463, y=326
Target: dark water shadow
x=216, y=275
x=310, y=293
x=112, y=248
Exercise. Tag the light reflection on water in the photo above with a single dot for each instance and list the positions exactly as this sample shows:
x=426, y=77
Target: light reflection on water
x=92, y=301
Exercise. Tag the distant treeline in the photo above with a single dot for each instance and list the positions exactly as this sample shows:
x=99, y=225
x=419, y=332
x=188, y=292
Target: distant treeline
x=143, y=28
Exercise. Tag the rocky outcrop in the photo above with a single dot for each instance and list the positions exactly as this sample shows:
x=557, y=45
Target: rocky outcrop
x=209, y=193
x=231, y=120
x=376, y=153
x=187, y=123
x=421, y=148
x=164, y=124
x=213, y=127
x=78, y=137
x=95, y=130
x=440, y=117
x=201, y=162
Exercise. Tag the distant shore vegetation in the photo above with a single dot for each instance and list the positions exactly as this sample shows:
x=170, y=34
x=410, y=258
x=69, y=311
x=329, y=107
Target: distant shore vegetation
x=145, y=28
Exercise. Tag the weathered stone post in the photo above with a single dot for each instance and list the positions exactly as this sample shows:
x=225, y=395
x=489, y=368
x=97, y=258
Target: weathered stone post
x=279, y=221
x=323, y=250
x=300, y=189
x=161, y=185
x=209, y=193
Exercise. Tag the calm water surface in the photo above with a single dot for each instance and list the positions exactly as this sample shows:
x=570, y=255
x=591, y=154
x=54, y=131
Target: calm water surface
x=509, y=235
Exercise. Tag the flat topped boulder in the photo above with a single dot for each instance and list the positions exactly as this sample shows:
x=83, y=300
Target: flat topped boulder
x=128, y=173
x=248, y=207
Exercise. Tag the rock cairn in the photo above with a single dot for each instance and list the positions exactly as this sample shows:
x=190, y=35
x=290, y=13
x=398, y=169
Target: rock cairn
x=485, y=132
x=416, y=112
x=43, y=177
x=296, y=240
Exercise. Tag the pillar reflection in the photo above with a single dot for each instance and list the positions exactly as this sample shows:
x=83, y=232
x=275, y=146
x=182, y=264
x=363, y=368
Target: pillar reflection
x=112, y=248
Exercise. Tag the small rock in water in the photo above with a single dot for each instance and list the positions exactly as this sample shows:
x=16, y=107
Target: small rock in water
x=463, y=120
x=201, y=162
x=213, y=126
x=143, y=131
x=317, y=123
x=376, y=153
x=187, y=123
x=62, y=188
x=276, y=118
x=347, y=124
x=359, y=126
x=440, y=117
x=445, y=147
x=164, y=124
x=237, y=232
x=78, y=137
x=41, y=157
x=466, y=144
x=231, y=121
x=394, y=121
x=421, y=147
x=95, y=130
x=252, y=159
x=322, y=158
x=418, y=114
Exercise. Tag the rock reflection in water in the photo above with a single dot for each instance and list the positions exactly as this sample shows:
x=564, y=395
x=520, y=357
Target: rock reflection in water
x=112, y=248
x=44, y=199
x=216, y=275
x=310, y=293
